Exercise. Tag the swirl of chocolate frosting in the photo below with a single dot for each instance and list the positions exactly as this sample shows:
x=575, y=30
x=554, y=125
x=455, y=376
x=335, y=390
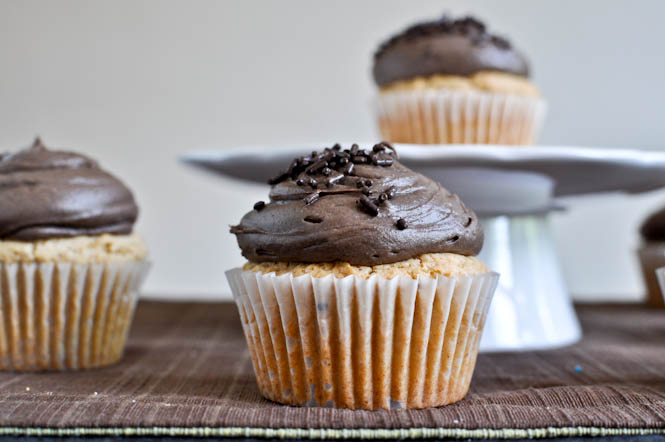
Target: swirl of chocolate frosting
x=445, y=46
x=51, y=194
x=356, y=206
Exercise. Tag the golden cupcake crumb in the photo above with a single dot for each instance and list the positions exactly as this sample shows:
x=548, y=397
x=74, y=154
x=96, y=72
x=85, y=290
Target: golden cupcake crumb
x=430, y=264
x=488, y=81
x=78, y=249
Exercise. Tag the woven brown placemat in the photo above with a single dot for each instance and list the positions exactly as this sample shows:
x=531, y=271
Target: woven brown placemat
x=186, y=371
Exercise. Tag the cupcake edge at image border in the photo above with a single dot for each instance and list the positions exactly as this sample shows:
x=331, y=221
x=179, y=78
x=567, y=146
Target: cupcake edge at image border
x=68, y=289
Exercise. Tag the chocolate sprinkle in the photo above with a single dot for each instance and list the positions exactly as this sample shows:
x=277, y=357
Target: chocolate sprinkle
x=334, y=179
x=311, y=198
x=368, y=205
x=387, y=145
x=314, y=168
x=401, y=224
x=259, y=206
x=278, y=179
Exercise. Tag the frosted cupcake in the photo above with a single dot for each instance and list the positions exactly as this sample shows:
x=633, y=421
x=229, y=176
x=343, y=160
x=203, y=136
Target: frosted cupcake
x=362, y=288
x=450, y=81
x=69, y=262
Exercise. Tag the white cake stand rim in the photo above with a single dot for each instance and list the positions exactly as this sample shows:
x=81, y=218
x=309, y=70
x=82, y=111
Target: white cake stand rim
x=576, y=169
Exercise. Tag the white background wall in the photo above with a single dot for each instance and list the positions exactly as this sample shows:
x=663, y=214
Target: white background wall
x=134, y=83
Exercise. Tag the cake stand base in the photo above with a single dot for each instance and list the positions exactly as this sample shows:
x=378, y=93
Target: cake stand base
x=531, y=307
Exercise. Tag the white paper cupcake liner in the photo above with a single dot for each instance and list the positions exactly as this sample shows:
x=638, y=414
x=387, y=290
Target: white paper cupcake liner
x=440, y=116
x=652, y=257
x=60, y=316
x=362, y=343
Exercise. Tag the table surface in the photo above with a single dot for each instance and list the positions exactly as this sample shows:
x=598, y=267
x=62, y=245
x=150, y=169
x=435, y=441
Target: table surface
x=186, y=372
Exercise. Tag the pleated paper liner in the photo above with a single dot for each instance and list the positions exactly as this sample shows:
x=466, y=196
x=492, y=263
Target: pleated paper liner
x=660, y=275
x=433, y=116
x=652, y=258
x=63, y=316
x=362, y=343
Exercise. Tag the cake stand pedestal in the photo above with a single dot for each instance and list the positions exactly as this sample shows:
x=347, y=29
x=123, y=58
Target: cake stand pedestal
x=531, y=308
x=513, y=190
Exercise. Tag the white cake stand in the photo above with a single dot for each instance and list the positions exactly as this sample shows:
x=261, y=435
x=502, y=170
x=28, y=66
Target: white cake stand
x=513, y=190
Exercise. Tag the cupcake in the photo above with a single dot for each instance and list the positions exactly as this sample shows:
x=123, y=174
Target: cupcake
x=450, y=81
x=362, y=289
x=69, y=263
x=652, y=255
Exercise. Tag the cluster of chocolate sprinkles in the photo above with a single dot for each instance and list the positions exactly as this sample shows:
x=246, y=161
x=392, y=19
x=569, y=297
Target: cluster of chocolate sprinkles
x=328, y=168
x=333, y=164
x=468, y=26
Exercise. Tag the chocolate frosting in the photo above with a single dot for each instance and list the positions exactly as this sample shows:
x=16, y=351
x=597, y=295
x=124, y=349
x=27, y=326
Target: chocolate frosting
x=360, y=207
x=445, y=46
x=49, y=194
x=653, y=228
